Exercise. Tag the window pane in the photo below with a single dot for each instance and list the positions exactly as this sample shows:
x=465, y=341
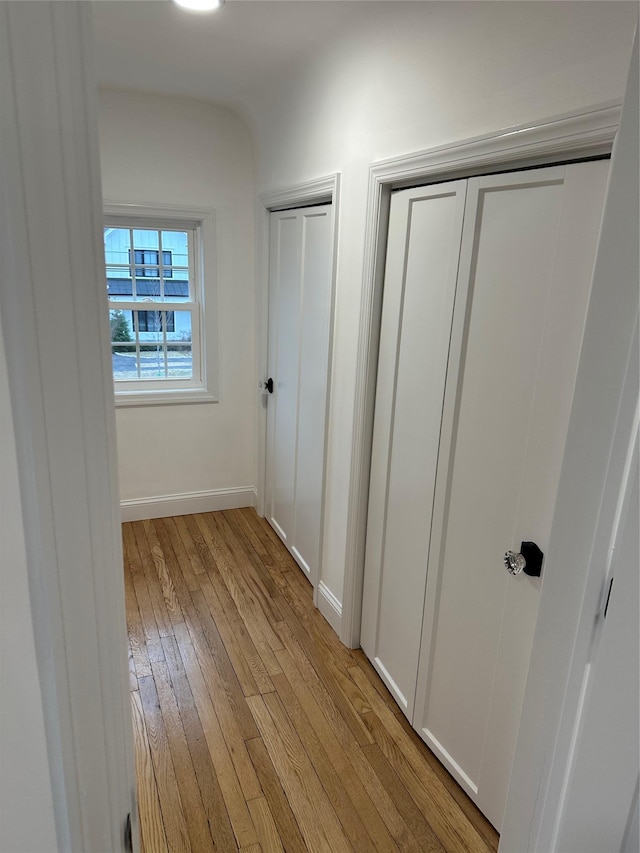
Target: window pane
x=152, y=364
x=148, y=288
x=177, y=288
x=125, y=362
x=146, y=239
x=155, y=321
x=181, y=333
x=150, y=325
x=121, y=323
x=177, y=242
x=148, y=321
x=180, y=361
x=150, y=259
x=119, y=272
x=117, y=243
x=148, y=272
x=119, y=283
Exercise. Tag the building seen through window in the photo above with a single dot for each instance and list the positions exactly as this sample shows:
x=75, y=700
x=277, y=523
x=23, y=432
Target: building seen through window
x=149, y=281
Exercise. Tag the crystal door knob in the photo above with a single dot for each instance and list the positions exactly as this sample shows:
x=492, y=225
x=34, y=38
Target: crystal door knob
x=514, y=563
x=529, y=560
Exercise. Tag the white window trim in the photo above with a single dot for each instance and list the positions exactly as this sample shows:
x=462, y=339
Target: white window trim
x=204, y=390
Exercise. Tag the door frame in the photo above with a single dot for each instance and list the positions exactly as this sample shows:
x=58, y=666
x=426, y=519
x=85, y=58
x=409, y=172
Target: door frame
x=65, y=433
x=602, y=435
x=318, y=191
x=575, y=135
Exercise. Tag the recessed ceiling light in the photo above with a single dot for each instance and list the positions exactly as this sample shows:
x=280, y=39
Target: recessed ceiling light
x=200, y=5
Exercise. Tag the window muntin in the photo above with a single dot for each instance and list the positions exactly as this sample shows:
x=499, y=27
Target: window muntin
x=155, y=305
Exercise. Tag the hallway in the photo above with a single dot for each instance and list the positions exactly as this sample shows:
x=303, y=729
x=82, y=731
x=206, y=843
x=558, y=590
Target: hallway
x=255, y=729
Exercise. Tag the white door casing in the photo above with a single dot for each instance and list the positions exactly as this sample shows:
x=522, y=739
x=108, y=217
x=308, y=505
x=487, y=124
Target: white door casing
x=520, y=306
x=61, y=401
x=300, y=305
x=600, y=790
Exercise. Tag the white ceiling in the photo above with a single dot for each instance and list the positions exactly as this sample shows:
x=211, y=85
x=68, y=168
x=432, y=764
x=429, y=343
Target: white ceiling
x=227, y=57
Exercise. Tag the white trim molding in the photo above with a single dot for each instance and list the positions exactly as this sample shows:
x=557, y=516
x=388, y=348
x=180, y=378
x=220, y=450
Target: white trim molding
x=187, y=503
x=329, y=606
x=571, y=135
x=53, y=306
x=184, y=396
x=575, y=135
x=310, y=192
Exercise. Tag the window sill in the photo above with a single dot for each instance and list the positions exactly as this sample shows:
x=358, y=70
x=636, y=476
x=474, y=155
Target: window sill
x=163, y=398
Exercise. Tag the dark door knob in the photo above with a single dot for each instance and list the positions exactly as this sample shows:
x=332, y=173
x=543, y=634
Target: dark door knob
x=267, y=386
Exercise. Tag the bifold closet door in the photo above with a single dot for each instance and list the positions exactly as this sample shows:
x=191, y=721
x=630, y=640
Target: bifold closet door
x=471, y=418
x=423, y=248
x=299, y=330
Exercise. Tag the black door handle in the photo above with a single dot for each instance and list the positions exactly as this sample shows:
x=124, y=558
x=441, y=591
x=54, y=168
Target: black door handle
x=534, y=557
x=268, y=385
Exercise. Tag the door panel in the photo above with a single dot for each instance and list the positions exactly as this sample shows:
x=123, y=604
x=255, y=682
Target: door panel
x=312, y=394
x=284, y=341
x=299, y=334
x=578, y=231
x=422, y=262
x=512, y=256
x=528, y=258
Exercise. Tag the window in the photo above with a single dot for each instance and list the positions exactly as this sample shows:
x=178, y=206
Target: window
x=154, y=266
x=151, y=321
x=146, y=256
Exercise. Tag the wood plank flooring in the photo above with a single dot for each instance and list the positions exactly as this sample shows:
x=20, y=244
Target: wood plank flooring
x=255, y=729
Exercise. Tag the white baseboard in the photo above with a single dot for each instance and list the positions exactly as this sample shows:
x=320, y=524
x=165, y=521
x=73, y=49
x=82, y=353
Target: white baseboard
x=330, y=607
x=138, y=509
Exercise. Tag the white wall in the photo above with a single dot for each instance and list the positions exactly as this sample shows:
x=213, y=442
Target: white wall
x=26, y=803
x=420, y=75
x=180, y=152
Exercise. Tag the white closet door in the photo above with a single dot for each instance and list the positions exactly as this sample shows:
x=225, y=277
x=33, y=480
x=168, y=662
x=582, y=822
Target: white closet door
x=527, y=256
x=299, y=330
x=422, y=262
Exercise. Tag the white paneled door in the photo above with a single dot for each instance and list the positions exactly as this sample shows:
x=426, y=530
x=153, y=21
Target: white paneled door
x=299, y=334
x=422, y=267
x=486, y=289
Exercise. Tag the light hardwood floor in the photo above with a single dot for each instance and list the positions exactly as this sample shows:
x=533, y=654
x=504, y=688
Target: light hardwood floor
x=255, y=729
